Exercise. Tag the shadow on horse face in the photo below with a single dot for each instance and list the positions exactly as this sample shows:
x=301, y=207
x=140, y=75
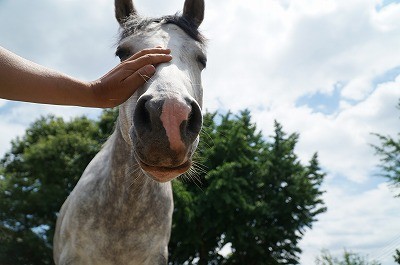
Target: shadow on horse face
x=163, y=119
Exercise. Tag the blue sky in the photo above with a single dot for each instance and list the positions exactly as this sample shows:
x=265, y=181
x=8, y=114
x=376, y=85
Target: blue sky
x=329, y=70
x=329, y=103
x=386, y=2
x=322, y=102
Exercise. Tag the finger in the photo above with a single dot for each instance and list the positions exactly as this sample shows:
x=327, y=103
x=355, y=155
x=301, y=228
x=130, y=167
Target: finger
x=149, y=59
x=146, y=72
x=139, y=78
x=157, y=50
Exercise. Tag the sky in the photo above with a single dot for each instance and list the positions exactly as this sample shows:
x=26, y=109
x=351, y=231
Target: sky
x=327, y=69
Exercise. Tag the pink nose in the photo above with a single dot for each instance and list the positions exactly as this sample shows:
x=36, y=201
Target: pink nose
x=166, y=126
x=174, y=114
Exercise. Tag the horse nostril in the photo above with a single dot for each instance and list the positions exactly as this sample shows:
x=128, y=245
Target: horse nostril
x=195, y=119
x=177, y=119
x=141, y=117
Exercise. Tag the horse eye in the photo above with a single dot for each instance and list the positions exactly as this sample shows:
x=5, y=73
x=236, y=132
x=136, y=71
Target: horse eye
x=202, y=60
x=123, y=54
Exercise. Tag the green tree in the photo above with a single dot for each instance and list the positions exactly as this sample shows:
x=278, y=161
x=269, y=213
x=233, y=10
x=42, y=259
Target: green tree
x=36, y=177
x=348, y=258
x=251, y=193
x=389, y=152
x=397, y=256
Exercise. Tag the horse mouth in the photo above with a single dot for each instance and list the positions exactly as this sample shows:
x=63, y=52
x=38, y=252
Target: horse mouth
x=164, y=174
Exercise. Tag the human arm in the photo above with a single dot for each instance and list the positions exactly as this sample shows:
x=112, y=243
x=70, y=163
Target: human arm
x=23, y=80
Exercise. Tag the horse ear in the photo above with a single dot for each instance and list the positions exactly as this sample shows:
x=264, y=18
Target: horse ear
x=124, y=9
x=194, y=9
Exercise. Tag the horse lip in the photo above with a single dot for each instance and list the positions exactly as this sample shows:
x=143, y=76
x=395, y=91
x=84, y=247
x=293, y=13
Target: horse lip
x=164, y=174
x=165, y=169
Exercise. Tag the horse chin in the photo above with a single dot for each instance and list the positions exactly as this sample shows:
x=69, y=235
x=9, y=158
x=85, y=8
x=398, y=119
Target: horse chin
x=164, y=174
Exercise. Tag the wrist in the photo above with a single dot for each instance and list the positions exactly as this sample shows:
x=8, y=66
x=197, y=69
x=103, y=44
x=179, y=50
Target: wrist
x=96, y=95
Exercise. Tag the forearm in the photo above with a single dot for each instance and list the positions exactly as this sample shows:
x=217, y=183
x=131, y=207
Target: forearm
x=24, y=80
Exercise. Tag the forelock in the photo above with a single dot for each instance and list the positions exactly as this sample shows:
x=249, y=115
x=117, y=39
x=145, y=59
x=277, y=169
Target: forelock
x=135, y=24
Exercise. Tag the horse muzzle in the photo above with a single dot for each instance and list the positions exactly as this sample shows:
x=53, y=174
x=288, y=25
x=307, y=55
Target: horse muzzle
x=165, y=135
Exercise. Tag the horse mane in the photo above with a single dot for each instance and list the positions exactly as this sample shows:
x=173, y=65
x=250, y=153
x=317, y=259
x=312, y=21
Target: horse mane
x=135, y=23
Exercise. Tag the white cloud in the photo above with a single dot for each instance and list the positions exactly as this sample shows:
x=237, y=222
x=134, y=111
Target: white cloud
x=26, y=113
x=2, y=102
x=275, y=54
x=9, y=131
x=14, y=119
x=357, y=89
x=358, y=222
x=386, y=18
x=272, y=54
x=343, y=139
x=69, y=36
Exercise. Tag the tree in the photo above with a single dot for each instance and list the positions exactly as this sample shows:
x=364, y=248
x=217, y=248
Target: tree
x=37, y=175
x=397, y=256
x=389, y=153
x=254, y=194
x=247, y=191
x=349, y=258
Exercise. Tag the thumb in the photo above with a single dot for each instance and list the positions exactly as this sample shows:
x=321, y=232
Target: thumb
x=138, y=78
x=147, y=72
x=141, y=76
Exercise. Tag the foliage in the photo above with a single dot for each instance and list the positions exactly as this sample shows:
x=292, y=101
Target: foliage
x=252, y=193
x=38, y=174
x=389, y=152
x=397, y=256
x=348, y=258
x=255, y=195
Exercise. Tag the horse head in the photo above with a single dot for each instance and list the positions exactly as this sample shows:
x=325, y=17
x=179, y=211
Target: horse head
x=162, y=120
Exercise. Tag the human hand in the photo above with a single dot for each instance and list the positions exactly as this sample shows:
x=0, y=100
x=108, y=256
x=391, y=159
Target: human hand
x=120, y=83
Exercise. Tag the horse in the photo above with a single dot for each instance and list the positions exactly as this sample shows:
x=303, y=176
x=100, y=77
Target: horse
x=120, y=211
